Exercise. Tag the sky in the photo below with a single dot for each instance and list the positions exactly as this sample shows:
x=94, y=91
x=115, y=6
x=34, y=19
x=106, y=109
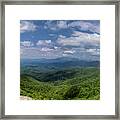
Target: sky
x=51, y=39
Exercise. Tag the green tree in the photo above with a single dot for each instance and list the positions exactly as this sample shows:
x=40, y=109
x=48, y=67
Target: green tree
x=72, y=92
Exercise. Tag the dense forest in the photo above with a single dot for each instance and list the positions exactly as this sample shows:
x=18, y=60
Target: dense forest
x=68, y=83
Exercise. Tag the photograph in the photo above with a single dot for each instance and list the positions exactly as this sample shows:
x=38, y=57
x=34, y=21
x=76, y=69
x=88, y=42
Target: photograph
x=55, y=58
x=60, y=59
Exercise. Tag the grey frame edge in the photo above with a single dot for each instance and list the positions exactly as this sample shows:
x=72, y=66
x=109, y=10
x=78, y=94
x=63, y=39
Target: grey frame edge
x=62, y=2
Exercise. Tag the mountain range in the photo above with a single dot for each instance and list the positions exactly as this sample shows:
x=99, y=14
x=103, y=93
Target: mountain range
x=60, y=62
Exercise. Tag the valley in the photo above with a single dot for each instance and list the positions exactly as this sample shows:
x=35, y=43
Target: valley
x=60, y=79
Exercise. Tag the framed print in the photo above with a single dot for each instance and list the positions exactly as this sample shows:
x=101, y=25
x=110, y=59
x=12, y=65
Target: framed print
x=60, y=60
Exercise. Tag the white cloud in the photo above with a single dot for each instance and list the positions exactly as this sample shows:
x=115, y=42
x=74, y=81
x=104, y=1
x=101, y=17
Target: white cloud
x=90, y=50
x=43, y=42
x=26, y=26
x=50, y=25
x=49, y=53
x=81, y=25
x=56, y=25
x=71, y=41
x=87, y=37
x=93, y=51
x=43, y=52
x=40, y=42
x=69, y=52
x=26, y=43
x=45, y=49
x=62, y=24
x=65, y=55
x=52, y=35
x=62, y=36
x=79, y=38
x=85, y=26
x=55, y=47
x=48, y=41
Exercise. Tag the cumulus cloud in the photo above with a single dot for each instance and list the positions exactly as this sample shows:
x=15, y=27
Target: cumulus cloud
x=26, y=43
x=52, y=35
x=49, y=53
x=65, y=55
x=62, y=36
x=85, y=26
x=45, y=49
x=49, y=24
x=87, y=37
x=69, y=52
x=55, y=47
x=71, y=41
x=43, y=42
x=48, y=41
x=94, y=52
x=62, y=24
x=55, y=25
x=79, y=24
x=79, y=38
x=26, y=26
x=40, y=53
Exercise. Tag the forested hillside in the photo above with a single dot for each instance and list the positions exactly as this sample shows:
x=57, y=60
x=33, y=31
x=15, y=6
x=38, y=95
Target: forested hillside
x=65, y=84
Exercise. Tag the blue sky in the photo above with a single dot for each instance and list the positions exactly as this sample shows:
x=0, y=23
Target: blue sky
x=51, y=39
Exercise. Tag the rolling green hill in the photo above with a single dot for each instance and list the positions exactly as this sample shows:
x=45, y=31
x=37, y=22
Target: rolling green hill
x=64, y=84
